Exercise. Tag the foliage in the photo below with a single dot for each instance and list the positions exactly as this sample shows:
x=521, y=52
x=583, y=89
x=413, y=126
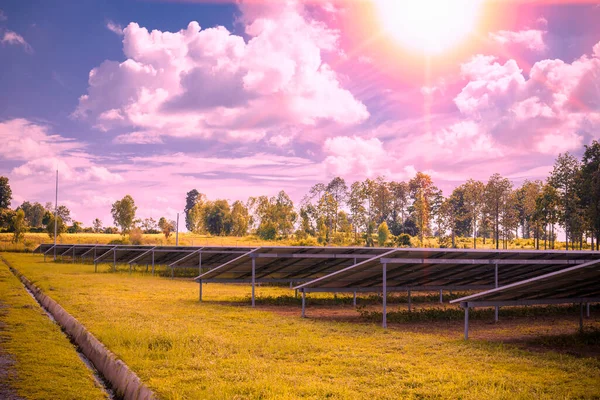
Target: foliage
x=60, y=226
x=18, y=226
x=97, y=225
x=135, y=236
x=123, y=213
x=5, y=193
x=166, y=227
x=383, y=234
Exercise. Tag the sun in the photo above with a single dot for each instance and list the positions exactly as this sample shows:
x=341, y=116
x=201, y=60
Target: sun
x=429, y=26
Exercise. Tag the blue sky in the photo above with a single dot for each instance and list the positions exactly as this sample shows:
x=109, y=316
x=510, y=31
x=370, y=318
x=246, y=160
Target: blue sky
x=263, y=96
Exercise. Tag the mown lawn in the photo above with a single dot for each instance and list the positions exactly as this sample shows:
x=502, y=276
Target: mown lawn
x=220, y=349
x=44, y=364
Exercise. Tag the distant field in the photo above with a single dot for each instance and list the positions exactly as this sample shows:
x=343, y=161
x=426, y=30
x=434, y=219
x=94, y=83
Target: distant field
x=32, y=240
x=223, y=349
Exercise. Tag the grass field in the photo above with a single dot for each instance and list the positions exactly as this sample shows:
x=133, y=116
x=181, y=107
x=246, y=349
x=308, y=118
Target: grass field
x=44, y=364
x=32, y=240
x=224, y=349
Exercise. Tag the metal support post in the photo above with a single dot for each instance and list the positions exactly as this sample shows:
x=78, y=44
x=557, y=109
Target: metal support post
x=172, y=272
x=497, y=309
x=581, y=317
x=303, y=304
x=354, y=300
x=73, y=254
x=95, y=266
x=467, y=322
x=200, y=263
x=441, y=297
x=587, y=311
x=200, y=290
x=384, y=324
x=253, y=279
x=115, y=260
x=409, y=302
x=152, y=262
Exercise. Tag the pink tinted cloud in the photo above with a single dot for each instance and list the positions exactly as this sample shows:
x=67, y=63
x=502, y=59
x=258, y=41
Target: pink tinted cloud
x=13, y=38
x=211, y=83
x=532, y=39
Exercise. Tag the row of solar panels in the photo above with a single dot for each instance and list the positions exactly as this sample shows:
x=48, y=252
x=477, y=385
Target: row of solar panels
x=350, y=269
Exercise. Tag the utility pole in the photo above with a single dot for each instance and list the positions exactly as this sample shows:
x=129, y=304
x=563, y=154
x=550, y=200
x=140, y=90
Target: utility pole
x=55, y=215
x=177, y=232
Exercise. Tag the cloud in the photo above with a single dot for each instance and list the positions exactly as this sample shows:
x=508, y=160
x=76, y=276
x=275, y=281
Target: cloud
x=532, y=39
x=40, y=153
x=355, y=156
x=13, y=38
x=551, y=111
x=114, y=27
x=3, y=16
x=209, y=83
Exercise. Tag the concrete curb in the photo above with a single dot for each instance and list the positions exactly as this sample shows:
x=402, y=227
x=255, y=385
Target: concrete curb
x=125, y=382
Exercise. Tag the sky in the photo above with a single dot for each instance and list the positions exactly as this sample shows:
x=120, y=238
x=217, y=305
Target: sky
x=237, y=99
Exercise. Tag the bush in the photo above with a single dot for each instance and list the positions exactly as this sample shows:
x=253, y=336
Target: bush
x=403, y=240
x=136, y=236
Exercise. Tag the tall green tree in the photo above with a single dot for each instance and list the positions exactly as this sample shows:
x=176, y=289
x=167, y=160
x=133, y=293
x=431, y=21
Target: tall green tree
x=496, y=195
x=97, y=225
x=564, y=178
x=589, y=189
x=61, y=227
x=19, y=226
x=240, y=219
x=473, y=197
x=123, y=213
x=166, y=227
x=5, y=193
x=422, y=192
x=399, y=195
x=217, y=217
x=194, y=200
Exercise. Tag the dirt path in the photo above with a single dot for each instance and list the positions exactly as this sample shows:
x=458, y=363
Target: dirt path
x=6, y=362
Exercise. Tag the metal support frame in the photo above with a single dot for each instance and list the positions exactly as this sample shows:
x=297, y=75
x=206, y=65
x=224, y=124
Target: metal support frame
x=200, y=263
x=587, y=312
x=73, y=261
x=200, y=282
x=409, y=301
x=152, y=262
x=253, y=280
x=467, y=323
x=441, y=297
x=303, y=304
x=497, y=308
x=384, y=322
x=114, y=259
x=581, y=317
x=354, y=300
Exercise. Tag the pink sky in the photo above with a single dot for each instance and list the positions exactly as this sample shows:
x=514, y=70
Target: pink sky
x=299, y=94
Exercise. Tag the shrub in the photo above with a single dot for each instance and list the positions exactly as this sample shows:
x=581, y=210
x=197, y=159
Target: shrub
x=136, y=236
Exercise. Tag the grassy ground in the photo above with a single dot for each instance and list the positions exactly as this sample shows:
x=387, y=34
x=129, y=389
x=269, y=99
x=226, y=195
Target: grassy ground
x=46, y=365
x=223, y=349
x=32, y=240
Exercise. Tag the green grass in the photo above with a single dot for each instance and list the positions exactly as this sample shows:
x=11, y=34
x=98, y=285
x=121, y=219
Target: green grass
x=46, y=364
x=32, y=240
x=221, y=349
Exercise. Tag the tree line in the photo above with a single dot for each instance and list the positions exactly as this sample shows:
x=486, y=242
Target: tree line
x=374, y=211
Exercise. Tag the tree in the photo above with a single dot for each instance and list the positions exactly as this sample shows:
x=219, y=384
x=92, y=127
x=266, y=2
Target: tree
x=495, y=195
x=97, y=225
x=422, y=192
x=398, y=205
x=358, y=212
x=194, y=202
x=123, y=213
x=338, y=190
x=149, y=225
x=526, y=197
x=589, y=189
x=217, y=217
x=240, y=219
x=75, y=228
x=383, y=234
x=6, y=216
x=60, y=226
x=473, y=204
x=564, y=178
x=166, y=227
x=5, y=193
x=19, y=226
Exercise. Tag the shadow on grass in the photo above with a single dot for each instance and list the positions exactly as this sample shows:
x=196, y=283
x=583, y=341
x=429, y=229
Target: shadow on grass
x=456, y=313
x=584, y=343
